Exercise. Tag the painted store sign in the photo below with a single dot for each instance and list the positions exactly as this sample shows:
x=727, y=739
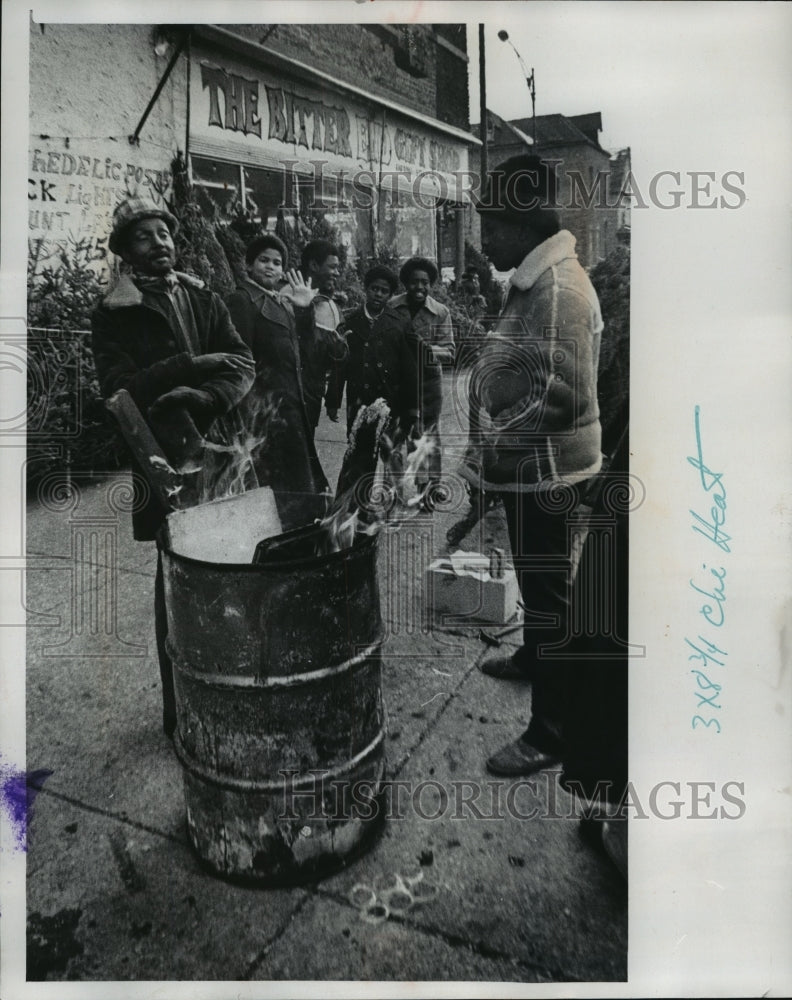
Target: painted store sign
x=241, y=113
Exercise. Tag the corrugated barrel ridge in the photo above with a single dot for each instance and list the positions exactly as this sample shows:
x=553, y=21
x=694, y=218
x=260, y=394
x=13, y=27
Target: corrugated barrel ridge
x=277, y=673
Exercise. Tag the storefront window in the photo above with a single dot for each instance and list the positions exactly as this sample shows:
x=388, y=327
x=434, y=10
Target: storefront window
x=255, y=195
x=447, y=233
x=264, y=192
x=366, y=217
x=221, y=183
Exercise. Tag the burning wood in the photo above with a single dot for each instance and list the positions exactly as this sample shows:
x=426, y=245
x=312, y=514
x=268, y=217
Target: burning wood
x=363, y=503
x=410, y=477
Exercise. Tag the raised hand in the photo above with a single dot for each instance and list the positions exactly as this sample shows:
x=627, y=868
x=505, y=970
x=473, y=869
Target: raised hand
x=298, y=291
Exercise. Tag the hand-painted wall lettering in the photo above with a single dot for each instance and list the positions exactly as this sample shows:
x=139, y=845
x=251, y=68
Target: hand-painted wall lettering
x=240, y=100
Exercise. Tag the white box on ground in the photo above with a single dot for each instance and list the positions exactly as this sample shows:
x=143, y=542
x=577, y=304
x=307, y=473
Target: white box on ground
x=461, y=585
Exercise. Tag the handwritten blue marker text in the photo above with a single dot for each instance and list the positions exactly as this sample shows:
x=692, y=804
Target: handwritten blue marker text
x=710, y=590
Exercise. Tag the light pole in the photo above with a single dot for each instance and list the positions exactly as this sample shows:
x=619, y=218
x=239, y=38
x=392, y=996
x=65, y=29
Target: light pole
x=483, y=108
x=504, y=37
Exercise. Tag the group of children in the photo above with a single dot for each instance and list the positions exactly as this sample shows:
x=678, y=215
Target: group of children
x=392, y=347
x=267, y=356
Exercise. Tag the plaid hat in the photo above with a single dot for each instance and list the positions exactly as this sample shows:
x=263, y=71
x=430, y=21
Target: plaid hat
x=133, y=210
x=522, y=189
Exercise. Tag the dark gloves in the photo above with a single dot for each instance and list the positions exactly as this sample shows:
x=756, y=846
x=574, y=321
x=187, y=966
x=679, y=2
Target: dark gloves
x=171, y=420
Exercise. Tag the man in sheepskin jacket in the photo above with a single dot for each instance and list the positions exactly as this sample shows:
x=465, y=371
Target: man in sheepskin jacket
x=171, y=344
x=538, y=432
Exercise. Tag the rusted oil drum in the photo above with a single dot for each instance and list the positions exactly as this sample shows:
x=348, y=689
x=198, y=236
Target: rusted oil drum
x=280, y=719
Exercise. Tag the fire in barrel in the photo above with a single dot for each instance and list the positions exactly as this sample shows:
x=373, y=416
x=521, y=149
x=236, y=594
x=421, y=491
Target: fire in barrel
x=277, y=673
x=275, y=643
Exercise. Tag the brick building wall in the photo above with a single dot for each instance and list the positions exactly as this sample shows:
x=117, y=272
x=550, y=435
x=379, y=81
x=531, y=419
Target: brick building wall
x=587, y=209
x=453, y=97
x=81, y=163
x=373, y=56
x=593, y=225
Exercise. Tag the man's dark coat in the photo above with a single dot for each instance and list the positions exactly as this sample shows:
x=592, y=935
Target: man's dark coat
x=138, y=346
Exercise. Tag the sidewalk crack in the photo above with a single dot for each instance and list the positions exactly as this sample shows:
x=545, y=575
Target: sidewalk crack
x=480, y=948
x=258, y=961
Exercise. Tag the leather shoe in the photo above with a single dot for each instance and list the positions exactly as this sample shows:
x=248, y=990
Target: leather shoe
x=506, y=668
x=519, y=759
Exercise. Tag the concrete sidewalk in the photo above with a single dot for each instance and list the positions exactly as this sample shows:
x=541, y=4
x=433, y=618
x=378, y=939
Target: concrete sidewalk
x=114, y=889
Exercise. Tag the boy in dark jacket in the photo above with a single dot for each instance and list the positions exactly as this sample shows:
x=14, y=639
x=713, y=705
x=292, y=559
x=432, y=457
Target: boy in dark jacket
x=171, y=344
x=430, y=321
x=382, y=363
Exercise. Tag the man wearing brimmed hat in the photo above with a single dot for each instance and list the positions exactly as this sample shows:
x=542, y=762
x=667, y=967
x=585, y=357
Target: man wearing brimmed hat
x=538, y=434
x=171, y=344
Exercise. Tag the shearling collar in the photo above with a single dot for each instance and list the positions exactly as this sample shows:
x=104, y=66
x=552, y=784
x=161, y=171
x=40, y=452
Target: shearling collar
x=552, y=251
x=429, y=303
x=126, y=292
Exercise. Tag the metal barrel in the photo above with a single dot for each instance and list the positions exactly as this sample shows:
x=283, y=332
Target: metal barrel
x=280, y=733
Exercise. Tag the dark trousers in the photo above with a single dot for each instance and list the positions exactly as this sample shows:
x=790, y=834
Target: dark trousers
x=595, y=714
x=539, y=533
x=165, y=664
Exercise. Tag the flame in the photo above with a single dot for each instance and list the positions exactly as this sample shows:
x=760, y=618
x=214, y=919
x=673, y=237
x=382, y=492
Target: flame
x=237, y=474
x=340, y=526
x=405, y=466
x=160, y=463
x=406, y=472
x=415, y=478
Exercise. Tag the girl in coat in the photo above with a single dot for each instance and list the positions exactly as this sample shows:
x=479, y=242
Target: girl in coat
x=284, y=454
